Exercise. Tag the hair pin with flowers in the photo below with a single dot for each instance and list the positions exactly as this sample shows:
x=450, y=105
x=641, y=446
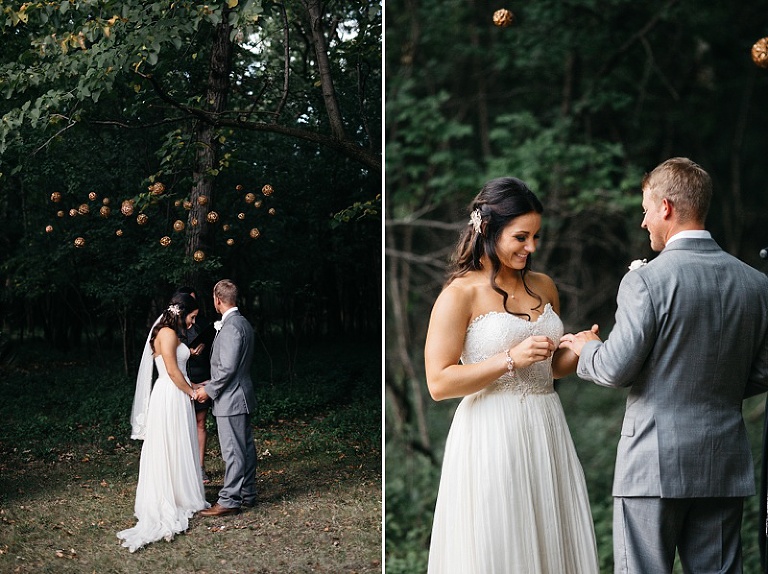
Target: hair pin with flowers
x=476, y=220
x=174, y=310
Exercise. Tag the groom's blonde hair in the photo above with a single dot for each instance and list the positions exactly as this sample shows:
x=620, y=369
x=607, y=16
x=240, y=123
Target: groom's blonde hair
x=226, y=291
x=684, y=184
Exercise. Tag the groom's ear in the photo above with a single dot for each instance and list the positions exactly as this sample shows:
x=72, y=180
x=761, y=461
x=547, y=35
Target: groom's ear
x=667, y=208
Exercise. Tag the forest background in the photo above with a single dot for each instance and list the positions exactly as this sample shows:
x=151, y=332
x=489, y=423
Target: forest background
x=149, y=145
x=579, y=99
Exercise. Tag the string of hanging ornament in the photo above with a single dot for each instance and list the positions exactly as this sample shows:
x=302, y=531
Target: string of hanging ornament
x=156, y=192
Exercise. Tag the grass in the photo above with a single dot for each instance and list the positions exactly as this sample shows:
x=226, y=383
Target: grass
x=68, y=475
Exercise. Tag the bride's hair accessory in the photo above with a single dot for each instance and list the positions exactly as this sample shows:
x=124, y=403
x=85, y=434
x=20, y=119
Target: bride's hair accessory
x=476, y=220
x=174, y=310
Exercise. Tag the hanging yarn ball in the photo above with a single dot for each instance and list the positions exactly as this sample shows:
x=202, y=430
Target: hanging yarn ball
x=503, y=18
x=127, y=208
x=760, y=52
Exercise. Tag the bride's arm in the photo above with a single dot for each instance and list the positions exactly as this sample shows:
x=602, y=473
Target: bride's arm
x=446, y=378
x=167, y=341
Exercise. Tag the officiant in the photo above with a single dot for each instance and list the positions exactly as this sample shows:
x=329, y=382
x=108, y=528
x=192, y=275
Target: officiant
x=199, y=339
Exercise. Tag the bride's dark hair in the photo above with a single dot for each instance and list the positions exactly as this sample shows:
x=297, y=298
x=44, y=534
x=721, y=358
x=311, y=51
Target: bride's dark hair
x=499, y=202
x=175, y=316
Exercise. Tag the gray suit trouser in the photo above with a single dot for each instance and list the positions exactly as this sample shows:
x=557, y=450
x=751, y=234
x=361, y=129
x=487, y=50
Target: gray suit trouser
x=239, y=454
x=706, y=532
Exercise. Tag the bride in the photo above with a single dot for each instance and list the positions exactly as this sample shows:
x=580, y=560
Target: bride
x=512, y=494
x=170, y=488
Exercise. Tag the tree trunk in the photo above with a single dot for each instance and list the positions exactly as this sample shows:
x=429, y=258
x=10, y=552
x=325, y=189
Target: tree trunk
x=206, y=147
x=324, y=68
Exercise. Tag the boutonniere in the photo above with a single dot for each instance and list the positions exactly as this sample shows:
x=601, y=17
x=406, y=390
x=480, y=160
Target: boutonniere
x=217, y=325
x=637, y=264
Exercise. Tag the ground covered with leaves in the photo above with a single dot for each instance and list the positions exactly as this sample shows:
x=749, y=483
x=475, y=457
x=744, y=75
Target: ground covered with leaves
x=68, y=475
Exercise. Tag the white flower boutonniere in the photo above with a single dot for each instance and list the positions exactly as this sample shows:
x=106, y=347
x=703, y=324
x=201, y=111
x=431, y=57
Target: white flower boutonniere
x=217, y=325
x=637, y=264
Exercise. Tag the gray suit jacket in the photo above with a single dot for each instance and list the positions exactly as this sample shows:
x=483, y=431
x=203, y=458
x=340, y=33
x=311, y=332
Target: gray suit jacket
x=690, y=343
x=230, y=386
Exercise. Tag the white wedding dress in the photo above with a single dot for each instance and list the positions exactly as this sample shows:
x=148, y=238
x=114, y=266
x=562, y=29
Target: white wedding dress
x=170, y=488
x=512, y=498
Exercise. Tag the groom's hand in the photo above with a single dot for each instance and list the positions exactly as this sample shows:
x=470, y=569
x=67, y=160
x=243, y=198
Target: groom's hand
x=576, y=342
x=202, y=396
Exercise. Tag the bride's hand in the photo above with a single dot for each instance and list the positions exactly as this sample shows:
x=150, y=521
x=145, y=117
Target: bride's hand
x=533, y=350
x=193, y=396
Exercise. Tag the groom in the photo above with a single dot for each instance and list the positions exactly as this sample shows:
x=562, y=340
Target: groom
x=231, y=390
x=690, y=344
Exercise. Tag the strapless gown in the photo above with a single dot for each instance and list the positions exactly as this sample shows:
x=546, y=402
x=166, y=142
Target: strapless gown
x=170, y=488
x=512, y=497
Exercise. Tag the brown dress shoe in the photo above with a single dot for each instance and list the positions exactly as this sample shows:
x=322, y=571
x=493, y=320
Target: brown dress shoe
x=219, y=510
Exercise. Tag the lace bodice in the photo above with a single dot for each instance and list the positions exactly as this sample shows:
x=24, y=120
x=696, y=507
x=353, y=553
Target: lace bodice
x=494, y=332
x=182, y=356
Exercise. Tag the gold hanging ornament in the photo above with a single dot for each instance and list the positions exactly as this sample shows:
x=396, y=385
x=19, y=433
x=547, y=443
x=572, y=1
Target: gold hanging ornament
x=60, y=214
x=105, y=201
x=199, y=255
x=156, y=188
x=255, y=233
x=250, y=197
x=212, y=217
x=127, y=207
x=225, y=227
x=187, y=204
x=230, y=242
x=503, y=18
x=165, y=241
x=760, y=53
x=257, y=204
x=241, y=216
x=92, y=196
x=48, y=228
x=272, y=211
x=56, y=197
x=80, y=242
x=142, y=219
x=267, y=190
x=178, y=225
x=202, y=200
x=105, y=211
x=84, y=209
x=73, y=212
x=119, y=232
x=239, y=187
x=193, y=222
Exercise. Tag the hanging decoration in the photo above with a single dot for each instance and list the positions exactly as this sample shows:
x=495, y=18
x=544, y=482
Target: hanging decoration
x=760, y=53
x=503, y=18
x=138, y=207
